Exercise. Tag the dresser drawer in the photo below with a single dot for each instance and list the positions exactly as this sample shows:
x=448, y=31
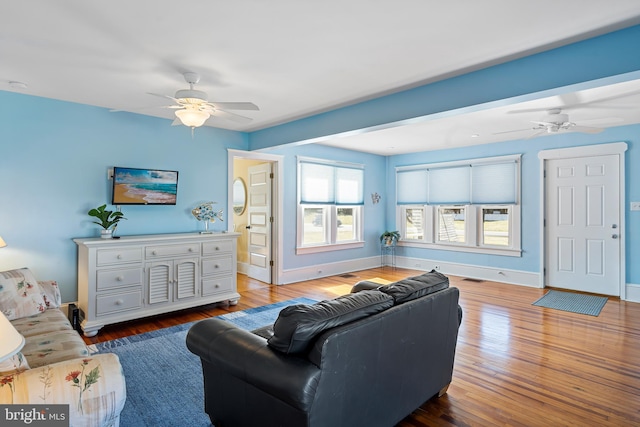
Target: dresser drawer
x=108, y=279
x=215, y=265
x=152, y=252
x=217, y=285
x=211, y=248
x=117, y=256
x=123, y=301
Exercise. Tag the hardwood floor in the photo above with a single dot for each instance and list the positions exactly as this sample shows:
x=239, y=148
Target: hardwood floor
x=516, y=364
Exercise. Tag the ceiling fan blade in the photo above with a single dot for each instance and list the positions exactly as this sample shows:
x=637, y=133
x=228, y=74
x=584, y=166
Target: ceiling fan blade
x=163, y=96
x=511, y=131
x=231, y=116
x=537, y=134
x=176, y=122
x=586, y=129
x=235, y=105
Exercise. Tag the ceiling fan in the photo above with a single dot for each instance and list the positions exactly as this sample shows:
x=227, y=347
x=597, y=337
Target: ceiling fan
x=192, y=107
x=556, y=121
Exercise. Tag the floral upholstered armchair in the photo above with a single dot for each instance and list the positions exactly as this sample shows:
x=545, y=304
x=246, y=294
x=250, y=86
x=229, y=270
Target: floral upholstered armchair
x=55, y=366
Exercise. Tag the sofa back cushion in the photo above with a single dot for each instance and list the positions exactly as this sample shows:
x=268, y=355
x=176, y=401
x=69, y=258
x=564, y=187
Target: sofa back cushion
x=415, y=287
x=20, y=294
x=297, y=325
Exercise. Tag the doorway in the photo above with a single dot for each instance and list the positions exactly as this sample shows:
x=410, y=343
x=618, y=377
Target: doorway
x=583, y=218
x=259, y=243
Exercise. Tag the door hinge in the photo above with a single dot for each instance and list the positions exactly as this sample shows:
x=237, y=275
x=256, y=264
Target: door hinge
x=544, y=271
x=270, y=263
x=544, y=222
x=271, y=175
x=271, y=219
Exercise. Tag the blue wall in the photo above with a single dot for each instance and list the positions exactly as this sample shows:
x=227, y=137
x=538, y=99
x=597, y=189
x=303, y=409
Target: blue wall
x=54, y=158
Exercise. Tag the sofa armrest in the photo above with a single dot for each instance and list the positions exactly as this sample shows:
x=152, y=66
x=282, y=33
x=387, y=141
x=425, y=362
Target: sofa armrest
x=93, y=387
x=245, y=356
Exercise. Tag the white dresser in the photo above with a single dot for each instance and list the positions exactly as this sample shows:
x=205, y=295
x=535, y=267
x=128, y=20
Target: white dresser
x=137, y=276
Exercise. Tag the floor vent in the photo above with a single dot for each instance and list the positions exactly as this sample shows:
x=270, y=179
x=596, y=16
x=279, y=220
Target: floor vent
x=473, y=280
x=347, y=276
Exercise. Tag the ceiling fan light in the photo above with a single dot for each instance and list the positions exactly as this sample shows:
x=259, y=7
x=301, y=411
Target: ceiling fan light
x=192, y=118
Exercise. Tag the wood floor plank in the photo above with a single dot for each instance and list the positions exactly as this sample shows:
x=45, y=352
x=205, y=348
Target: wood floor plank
x=516, y=364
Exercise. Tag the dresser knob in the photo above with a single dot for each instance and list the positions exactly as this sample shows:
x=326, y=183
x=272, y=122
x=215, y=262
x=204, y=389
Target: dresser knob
x=154, y=253
x=119, y=278
x=190, y=249
x=119, y=256
x=217, y=248
x=119, y=302
x=216, y=286
x=216, y=266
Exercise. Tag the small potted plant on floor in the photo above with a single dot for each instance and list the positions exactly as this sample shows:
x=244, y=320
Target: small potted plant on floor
x=108, y=220
x=389, y=238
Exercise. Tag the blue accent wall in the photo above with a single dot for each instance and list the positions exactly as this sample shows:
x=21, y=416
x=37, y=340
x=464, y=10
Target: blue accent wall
x=54, y=158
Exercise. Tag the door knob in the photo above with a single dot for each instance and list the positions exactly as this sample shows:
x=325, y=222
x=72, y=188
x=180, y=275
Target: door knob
x=614, y=236
x=248, y=227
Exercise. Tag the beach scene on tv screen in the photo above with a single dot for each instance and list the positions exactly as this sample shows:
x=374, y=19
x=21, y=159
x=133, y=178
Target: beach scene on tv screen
x=145, y=186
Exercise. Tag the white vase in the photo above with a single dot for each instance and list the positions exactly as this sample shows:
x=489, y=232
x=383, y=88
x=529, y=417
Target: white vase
x=106, y=234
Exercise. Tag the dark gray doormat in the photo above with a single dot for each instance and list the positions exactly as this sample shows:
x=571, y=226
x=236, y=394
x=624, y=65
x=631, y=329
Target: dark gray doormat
x=575, y=303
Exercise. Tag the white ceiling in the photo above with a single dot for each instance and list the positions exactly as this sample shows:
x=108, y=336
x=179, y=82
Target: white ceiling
x=296, y=58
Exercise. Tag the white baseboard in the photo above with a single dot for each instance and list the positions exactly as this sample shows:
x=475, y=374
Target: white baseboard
x=633, y=292
x=331, y=269
x=243, y=268
x=512, y=277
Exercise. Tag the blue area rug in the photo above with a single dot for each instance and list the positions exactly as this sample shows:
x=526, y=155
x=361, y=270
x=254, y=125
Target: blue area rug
x=164, y=379
x=570, y=301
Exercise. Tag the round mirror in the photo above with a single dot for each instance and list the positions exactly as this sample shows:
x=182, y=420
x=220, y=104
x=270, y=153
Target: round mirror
x=239, y=196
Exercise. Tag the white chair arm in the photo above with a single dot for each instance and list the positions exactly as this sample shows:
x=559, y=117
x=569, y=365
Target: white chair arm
x=94, y=388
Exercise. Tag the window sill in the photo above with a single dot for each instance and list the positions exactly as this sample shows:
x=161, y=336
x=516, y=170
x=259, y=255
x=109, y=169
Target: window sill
x=461, y=248
x=328, y=248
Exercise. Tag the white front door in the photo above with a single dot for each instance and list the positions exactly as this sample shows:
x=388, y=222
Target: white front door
x=259, y=222
x=583, y=224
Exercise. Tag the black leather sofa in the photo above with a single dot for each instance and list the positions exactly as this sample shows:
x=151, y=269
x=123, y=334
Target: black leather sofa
x=369, y=358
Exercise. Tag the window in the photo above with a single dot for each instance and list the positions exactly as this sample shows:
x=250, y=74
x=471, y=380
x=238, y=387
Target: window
x=469, y=206
x=330, y=201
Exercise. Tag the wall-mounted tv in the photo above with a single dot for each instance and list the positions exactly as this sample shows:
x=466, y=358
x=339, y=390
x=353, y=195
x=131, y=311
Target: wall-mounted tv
x=144, y=187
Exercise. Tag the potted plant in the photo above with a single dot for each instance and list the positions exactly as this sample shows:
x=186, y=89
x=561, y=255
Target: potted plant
x=389, y=238
x=107, y=220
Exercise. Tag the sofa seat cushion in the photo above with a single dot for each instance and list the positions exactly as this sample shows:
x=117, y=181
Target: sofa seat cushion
x=415, y=287
x=297, y=325
x=53, y=347
x=51, y=320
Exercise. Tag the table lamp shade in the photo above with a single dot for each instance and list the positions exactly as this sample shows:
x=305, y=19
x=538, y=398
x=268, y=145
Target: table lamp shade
x=2, y=243
x=11, y=341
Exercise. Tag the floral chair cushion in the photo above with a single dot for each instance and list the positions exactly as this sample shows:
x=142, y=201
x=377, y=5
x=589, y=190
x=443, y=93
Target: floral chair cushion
x=16, y=363
x=53, y=347
x=49, y=321
x=94, y=388
x=20, y=294
x=50, y=293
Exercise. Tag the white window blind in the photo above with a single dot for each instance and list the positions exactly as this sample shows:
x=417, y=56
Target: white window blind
x=412, y=187
x=482, y=181
x=322, y=183
x=450, y=185
x=494, y=183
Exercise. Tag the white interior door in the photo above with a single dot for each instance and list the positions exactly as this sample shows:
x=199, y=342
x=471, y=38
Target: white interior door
x=583, y=224
x=259, y=222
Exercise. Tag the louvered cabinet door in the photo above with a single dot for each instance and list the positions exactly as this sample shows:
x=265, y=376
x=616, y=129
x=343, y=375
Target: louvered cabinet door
x=159, y=282
x=186, y=278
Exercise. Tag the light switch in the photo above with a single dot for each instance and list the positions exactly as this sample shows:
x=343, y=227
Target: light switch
x=635, y=206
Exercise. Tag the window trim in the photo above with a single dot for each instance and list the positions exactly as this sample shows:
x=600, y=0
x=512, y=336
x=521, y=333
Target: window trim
x=473, y=217
x=331, y=230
